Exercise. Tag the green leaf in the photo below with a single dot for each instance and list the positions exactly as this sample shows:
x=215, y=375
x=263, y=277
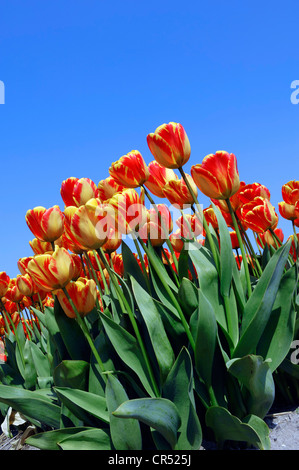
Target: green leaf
x=40, y=361
x=178, y=388
x=259, y=306
x=82, y=404
x=127, y=348
x=89, y=439
x=35, y=406
x=209, y=282
x=188, y=296
x=228, y=427
x=206, y=338
x=278, y=335
x=125, y=434
x=131, y=266
x=226, y=254
x=72, y=335
x=256, y=376
x=29, y=372
x=158, y=413
x=72, y=374
x=160, y=342
x=50, y=440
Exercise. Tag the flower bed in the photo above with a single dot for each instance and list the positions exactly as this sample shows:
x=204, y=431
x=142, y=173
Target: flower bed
x=171, y=338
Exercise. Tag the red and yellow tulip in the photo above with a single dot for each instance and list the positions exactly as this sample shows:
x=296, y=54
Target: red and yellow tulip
x=170, y=145
x=259, y=215
x=217, y=176
x=177, y=192
x=159, y=176
x=130, y=170
x=83, y=293
x=76, y=192
x=52, y=271
x=46, y=224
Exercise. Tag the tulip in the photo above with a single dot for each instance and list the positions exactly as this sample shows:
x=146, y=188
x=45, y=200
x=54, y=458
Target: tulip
x=288, y=211
x=290, y=192
x=13, y=293
x=52, y=271
x=23, y=263
x=235, y=200
x=83, y=293
x=26, y=285
x=190, y=226
x=108, y=187
x=76, y=192
x=159, y=176
x=118, y=263
x=210, y=217
x=259, y=215
x=176, y=241
x=4, y=283
x=127, y=211
x=234, y=240
x=158, y=226
x=177, y=192
x=250, y=191
x=86, y=225
x=267, y=238
x=130, y=170
x=170, y=145
x=39, y=247
x=113, y=242
x=45, y=224
x=217, y=176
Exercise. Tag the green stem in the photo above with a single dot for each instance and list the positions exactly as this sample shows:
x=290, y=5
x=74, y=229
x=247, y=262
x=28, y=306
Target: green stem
x=237, y=230
x=162, y=224
x=174, y=301
x=93, y=275
x=141, y=261
x=202, y=220
x=85, y=331
x=123, y=300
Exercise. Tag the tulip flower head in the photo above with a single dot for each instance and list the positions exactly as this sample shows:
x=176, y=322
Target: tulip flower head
x=159, y=176
x=52, y=271
x=267, y=238
x=26, y=285
x=46, y=224
x=130, y=170
x=217, y=176
x=4, y=283
x=127, y=211
x=259, y=215
x=290, y=192
x=288, y=211
x=108, y=187
x=158, y=226
x=177, y=192
x=249, y=192
x=83, y=293
x=76, y=192
x=170, y=145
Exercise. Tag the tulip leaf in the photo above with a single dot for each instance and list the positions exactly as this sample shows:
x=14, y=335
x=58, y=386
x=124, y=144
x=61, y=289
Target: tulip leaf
x=82, y=404
x=255, y=375
x=88, y=439
x=49, y=440
x=131, y=266
x=35, y=406
x=226, y=426
x=40, y=361
x=125, y=434
x=278, y=335
x=188, y=296
x=72, y=374
x=209, y=282
x=158, y=413
x=206, y=337
x=259, y=307
x=72, y=334
x=178, y=388
x=127, y=348
x=160, y=342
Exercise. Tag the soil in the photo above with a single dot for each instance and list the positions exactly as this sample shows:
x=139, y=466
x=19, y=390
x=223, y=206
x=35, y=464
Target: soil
x=284, y=434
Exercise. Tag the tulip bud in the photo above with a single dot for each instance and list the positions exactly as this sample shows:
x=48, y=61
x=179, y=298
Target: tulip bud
x=170, y=145
x=159, y=176
x=217, y=176
x=108, y=187
x=76, y=192
x=177, y=192
x=45, y=224
x=83, y=293
x=130, y=170
x=259, y=215
x=4, y=283
x=290, y=192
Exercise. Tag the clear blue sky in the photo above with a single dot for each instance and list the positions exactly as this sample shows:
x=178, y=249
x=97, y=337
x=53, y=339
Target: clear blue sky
x=86, y=81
